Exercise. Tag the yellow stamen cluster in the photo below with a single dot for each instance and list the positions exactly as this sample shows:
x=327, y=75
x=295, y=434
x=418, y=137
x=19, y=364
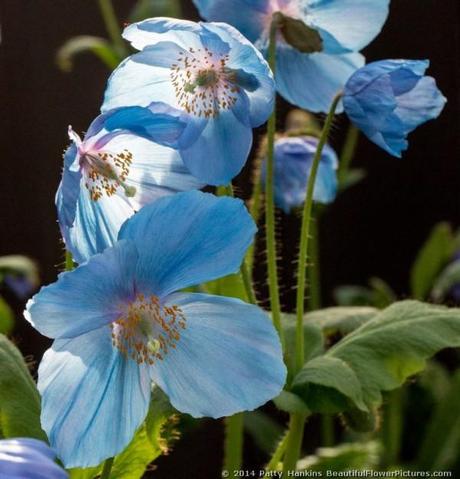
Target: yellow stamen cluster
x=202, y=84
x=106, y=172
x=147, y=329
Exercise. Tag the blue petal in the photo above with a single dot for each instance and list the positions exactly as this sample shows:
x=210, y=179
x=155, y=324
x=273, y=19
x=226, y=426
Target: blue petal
x=93, y=399
x=228, y=358
x=221, y=150
x=188, y=239
x=28, y=458
x=248, y=16
x=88, y=297
x=352, y=23
x=69, y=189
x=143, y=78
x=311, y=81
x=423, y=103
x=244, y=56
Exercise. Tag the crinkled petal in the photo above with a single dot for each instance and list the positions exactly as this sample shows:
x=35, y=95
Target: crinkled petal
x=248, y=16
x=143, y=78
x=187, y=239
x=352, y=23
x=222, y=149
x=155, y=170
x=93, y=399
x=228, y=358
x=311, y=81
x=423, y=103
x=245, y=57
x=88, y=297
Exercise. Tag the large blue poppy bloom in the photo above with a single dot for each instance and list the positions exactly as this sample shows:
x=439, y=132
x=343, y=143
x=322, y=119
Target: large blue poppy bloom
x=293, y=161
x=211, y=73
x=26, y=458
x=343, y=27
x=390, y=98
x=120, y=326
x=114, y=171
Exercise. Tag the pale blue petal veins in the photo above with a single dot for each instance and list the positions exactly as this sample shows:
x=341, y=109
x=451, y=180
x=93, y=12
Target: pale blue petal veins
x=87, y=298
x=187, y=239
x=69, y=189
x=352, y=23
x=93, y=399
x=311, y=81
x=221, y=151
x=228, y=358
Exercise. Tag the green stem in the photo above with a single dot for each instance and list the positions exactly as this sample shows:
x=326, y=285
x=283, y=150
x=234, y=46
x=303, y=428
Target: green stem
x=294, y=442
x=107, y=468
x=233, y=447
x=269, y=198
x=392, y=426
x=305, y=236
x=244, y=270
x=314, y=298
x=327, y=430
x=69, y=264
x=348, y=152
x=112, y=26
x=277, y=456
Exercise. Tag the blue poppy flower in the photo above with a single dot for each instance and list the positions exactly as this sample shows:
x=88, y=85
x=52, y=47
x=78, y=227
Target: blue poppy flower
x=120, y=326
x=390, y=98
x=114, y=171
x=312, y=77
x=293, y=161
x=26, y=458
x=211, y=73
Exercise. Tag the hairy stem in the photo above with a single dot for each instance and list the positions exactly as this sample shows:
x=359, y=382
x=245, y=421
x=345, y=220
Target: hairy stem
x=107, y=468
x=233, y=446
x=112, y=26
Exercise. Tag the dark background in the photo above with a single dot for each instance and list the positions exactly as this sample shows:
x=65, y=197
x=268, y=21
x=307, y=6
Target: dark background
x=373, y=229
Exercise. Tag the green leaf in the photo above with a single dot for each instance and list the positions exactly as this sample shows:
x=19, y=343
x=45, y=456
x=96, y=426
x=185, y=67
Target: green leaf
x=434, y=254
x=85, y=43
x=351, y=295
x=383, y=294
x=356, y=456
x=299, y=35
x=289, y=402
x=378, y=356
x=150, y=441
x=155, y=8
x=231, y=285
x=441, y=444
x=361, y=421
x=265, y=432
x=448, y=278
x=6, y=317
x=19, y=398
x=341, y=319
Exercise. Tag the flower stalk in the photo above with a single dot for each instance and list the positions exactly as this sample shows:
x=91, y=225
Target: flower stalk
x=106, y=470
x=112, y=26
x=269, y=196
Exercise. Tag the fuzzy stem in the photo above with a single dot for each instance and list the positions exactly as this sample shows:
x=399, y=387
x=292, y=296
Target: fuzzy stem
x=348, y=152
x=269, y=198
x=305, y=236
x=112, y=26
x=277, y=456
x=314, y=272
x=294, y=442
x=107, y=468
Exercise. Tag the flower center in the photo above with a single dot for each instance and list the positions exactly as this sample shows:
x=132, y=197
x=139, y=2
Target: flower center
x=147, y=330
x=106, y=172
x=203, y=83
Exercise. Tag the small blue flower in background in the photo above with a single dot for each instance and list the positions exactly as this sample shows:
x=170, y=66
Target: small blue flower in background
x=340, y=28
x=114, y=171
x=293, y=160
x=213, y=75
x=26, y=458
x=120, y=326
x=390, y=98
